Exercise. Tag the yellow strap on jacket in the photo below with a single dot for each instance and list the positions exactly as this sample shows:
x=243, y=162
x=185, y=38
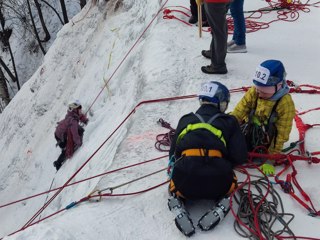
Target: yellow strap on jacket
x=209, y=127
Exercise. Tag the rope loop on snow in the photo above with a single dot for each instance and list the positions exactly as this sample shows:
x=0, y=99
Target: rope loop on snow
x=168, y=14
x=163, y=141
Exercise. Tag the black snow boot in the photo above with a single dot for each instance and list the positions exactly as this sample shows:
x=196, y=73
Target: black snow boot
x=57, y=165
x=60, y=160
x=214, y=216
x=182, y=219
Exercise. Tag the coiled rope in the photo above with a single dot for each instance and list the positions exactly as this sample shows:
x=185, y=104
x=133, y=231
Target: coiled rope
x=286, y=11
x=261, y=214
x=163, y=141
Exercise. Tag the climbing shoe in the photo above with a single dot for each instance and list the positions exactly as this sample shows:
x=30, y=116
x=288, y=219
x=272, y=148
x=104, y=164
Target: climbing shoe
x=214, y=216
x=182, y=219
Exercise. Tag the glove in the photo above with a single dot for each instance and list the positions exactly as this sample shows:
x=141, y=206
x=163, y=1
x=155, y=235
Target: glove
x=267, y=169
x=83, y=119
x=199, y=2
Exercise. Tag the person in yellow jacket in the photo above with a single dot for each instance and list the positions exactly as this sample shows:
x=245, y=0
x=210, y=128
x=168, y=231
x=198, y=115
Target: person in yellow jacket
x=266, y=111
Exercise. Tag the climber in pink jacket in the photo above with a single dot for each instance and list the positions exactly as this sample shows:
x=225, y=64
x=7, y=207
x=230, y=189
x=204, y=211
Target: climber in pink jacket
x=69, y=133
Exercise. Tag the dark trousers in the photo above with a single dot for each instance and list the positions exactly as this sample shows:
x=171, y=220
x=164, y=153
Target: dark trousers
x=216, y=15
x=194, y=10
x=197, y=178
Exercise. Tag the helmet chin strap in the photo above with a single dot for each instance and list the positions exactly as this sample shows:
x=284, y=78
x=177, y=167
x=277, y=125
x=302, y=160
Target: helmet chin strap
x=221, y=106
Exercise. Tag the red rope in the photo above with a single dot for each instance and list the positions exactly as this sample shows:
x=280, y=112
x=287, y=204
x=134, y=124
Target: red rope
x=98, y=149
x=288, y=188
x=129, y=194
x=168, y=14
x=302, y=128
x=288, y=12
x=256, y=231
x=126, y=118
x=88, y=198
x=83, y=180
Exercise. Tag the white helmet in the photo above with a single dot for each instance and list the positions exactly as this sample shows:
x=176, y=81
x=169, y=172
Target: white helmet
x=74, y=105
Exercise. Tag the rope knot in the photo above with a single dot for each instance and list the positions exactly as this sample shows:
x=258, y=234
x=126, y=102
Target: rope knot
x=164, y=123
x=286, y=186
x=166, y=15
x=291, y=83
x=166, y=11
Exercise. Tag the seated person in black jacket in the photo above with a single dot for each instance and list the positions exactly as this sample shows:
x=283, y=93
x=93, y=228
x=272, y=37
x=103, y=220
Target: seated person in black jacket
x=206, y=147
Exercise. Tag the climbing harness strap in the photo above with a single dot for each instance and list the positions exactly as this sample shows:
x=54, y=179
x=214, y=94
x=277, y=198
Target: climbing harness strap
x=204, y=125
x=201, y=153
x=260, y=134
x=172, y=189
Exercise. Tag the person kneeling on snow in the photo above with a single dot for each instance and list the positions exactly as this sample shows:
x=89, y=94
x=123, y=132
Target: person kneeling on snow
x=207, y=145
x=69, y=133
x=266, y=111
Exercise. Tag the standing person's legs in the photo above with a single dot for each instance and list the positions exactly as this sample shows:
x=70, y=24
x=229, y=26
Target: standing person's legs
x=216, y=15
x=194, y=12
x=239, y=33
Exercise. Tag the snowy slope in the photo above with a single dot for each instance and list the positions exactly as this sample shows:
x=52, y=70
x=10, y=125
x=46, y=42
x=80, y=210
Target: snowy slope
x=165, y=63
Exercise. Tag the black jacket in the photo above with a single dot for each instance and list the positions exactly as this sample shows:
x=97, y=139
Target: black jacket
x=235, y=150
x=207, y=177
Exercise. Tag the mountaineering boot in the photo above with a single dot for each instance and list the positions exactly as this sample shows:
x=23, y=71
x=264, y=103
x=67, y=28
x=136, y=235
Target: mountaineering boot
x=212, y=218
x=182, y=219
x=211, y=70
x=206, y=53
x=193, y=19
x=61, y=159
x=204, y=24
x=57, y=165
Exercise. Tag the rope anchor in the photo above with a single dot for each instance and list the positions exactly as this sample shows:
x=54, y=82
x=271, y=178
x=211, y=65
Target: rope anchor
x=110, y=189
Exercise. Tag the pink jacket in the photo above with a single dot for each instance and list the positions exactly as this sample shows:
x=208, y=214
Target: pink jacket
x=71, y=121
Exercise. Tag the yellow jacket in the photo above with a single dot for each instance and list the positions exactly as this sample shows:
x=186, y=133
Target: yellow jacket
x=285, y=114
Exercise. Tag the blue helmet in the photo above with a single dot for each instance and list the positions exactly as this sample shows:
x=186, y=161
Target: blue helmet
x=215, y=92
x=269, y=73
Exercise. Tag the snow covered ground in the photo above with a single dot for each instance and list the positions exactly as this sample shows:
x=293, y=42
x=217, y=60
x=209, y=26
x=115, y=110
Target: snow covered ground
x=164, y=63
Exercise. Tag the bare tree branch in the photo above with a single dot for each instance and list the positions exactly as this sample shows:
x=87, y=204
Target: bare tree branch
x=64, y=11
x=5, y=67
x=43, y=24
x=54, y=11
x=35, y=29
